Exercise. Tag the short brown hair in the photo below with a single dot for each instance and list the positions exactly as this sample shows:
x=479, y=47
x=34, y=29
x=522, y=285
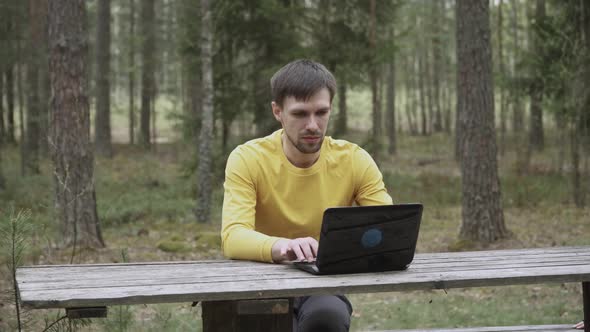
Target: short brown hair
x=301, y=79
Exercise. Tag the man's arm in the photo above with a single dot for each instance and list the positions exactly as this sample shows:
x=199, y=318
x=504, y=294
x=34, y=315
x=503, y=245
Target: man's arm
x=370, y=189
x=239, y=238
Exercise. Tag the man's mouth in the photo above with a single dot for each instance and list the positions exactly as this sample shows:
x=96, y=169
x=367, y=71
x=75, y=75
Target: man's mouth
x=311, y=139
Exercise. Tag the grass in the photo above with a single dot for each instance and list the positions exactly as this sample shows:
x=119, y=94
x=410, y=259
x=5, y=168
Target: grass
x=146, y=202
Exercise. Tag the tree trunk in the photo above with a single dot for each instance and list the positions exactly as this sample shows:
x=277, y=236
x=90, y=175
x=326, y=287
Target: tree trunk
x=422, y=92
x=2, y=124
x=71, y=149
x=373, y=77
x=483, y=218
x=412, y=104
x=33, y=118
x=342, y=121
x=9, y=74
x=131, y=72
x=578, y=191
x=2, y=179
x=391, y=133
x=517, y=111
x=45, y=83
x=536, y=132
x=436, y=66
x=102, y=129
x=502, y=72
x=206, y=135
x=21, y=111
x=148, y=69
x=560, y=125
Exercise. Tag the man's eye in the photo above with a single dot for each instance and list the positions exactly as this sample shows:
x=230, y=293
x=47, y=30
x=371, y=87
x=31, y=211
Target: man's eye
x=299, y=115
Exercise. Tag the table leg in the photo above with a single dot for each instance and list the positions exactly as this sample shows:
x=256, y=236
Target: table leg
x=248, y=315
x=586, y=296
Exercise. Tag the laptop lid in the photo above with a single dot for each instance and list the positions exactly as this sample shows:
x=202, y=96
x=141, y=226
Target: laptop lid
x=368, y=238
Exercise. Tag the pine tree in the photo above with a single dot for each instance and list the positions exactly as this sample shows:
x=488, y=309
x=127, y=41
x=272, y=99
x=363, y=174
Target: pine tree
x=71, y=149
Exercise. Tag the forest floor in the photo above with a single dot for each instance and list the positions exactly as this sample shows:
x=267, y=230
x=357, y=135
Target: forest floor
x=145, y=204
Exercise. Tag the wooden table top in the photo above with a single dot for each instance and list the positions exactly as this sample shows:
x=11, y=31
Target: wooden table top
x=90, y=285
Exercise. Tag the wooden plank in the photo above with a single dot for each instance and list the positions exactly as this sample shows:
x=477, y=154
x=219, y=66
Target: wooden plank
x=133, y=284
x=263, y=307
x=126, y=272
x=90, y=272
x=225, y=316
x=90, y=312
x=419, y=256
x=172, y=275
x=312, y=285
x=539, y=328
x=586, y=301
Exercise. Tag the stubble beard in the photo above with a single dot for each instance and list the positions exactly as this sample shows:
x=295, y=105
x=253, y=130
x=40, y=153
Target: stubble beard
x=306, y=148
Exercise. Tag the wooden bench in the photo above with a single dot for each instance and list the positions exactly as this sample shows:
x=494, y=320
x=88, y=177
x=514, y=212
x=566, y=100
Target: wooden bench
x=239, y=295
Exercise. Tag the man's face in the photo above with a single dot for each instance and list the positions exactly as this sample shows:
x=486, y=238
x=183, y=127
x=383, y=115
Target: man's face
x=305, y=122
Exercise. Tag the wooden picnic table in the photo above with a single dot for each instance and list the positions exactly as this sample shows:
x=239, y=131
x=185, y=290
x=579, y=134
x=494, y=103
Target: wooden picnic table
x=228, y=287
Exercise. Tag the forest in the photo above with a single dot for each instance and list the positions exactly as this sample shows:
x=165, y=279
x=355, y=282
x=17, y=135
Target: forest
x=117, y=119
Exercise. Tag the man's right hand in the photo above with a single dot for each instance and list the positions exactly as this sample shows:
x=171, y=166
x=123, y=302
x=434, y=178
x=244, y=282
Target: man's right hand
x=301, y=249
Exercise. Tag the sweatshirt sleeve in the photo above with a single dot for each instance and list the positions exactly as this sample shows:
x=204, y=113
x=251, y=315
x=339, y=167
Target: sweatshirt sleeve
x=238, y=236
x=369, y=188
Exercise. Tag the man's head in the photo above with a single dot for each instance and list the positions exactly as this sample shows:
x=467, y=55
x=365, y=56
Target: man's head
x=302, y=93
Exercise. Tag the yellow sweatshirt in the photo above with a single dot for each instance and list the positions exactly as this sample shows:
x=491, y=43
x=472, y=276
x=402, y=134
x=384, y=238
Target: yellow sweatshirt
x=267, y=198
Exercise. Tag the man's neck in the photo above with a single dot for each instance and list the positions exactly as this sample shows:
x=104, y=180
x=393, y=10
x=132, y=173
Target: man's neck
x=296, y=157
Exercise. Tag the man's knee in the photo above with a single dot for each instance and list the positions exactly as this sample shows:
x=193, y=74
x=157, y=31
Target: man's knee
x=322, y=313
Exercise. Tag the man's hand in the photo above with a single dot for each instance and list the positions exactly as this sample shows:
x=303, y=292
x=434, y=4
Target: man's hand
x=579, y=326
x=302, y=249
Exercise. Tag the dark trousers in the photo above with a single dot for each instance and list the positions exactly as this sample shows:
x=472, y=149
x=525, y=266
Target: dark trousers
x=321, y=313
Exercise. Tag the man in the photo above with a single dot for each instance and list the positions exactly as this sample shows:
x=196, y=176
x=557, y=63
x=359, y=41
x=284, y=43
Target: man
x=277, y=187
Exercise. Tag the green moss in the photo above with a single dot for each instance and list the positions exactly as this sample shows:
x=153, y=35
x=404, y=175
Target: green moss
x=209, y=239
x=173, y=246
x=461, y=245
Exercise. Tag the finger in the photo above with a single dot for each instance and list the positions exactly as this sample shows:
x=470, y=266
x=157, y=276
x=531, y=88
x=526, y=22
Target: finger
x=314, y=247
x=307, y=251
x=297, y=250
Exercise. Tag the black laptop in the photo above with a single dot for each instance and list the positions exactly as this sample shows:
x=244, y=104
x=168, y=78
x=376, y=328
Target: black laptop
x=366, y=239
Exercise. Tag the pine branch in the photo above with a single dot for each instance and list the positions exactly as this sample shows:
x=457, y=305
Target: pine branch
x=15, y=230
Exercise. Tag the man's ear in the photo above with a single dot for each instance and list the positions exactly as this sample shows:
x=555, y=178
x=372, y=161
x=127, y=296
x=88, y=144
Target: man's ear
x=276, y=111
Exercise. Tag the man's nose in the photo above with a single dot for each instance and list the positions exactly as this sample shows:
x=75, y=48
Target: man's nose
x=312, y=124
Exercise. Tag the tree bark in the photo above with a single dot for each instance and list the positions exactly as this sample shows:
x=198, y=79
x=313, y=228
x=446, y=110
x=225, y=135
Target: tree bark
x=560, y=126
x=536, y=132
x=483, y=218
x=391, y=130
x=578, y=190
x=436, y=66
x=131, y=72
x=412, y=103
x=71, y=149
x=21, y=111
x=342, y=121
x=2, y=124
x=502, y=72
x=517, y=111
x=206, y=135
x=9, y=87
x=148, y=69
x=422, y=94
x=33, y=118
x=373, y=77
x=102, y=129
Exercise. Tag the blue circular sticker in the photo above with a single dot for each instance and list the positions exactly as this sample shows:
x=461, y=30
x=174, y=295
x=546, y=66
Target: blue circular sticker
x=372, y=238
